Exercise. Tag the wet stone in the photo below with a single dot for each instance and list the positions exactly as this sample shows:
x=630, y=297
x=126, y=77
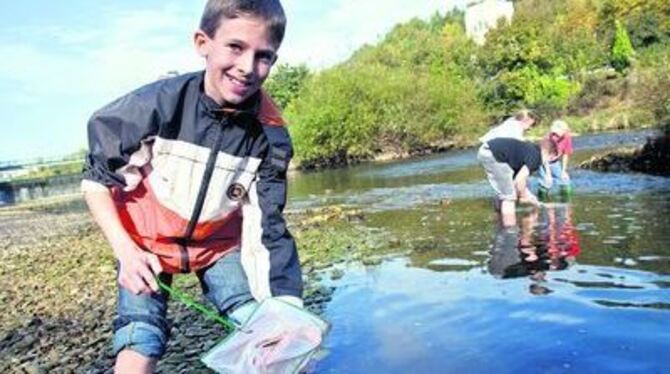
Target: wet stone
x=371, y=261
x=35, y=369
x=26, y=342
x=196, y=333
x=336, y=274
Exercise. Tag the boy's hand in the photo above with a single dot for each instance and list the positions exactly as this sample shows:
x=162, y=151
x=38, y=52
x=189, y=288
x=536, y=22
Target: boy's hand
x=138, y=269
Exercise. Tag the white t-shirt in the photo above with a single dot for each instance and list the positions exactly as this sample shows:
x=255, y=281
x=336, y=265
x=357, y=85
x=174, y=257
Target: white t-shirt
x=510, y=128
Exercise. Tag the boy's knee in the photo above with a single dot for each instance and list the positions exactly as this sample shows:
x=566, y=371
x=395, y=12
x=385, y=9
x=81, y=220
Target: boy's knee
x=145, y=336
x=225, y=284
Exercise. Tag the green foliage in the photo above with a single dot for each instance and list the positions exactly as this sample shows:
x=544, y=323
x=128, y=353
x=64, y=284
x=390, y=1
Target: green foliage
x=622, y=49
x=536, y=60
x=398, y=96
x=426, y=84
x=573, y=37
x=509, y=47
x=529, y=86
x=460, y=52
x=412, y=44
x=647, y=21
x=651, y=87
x=331, y=117
x=286, y=82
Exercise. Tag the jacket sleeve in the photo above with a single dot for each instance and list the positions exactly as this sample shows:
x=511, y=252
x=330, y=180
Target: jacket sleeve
x=119, y=138
x=269, y=253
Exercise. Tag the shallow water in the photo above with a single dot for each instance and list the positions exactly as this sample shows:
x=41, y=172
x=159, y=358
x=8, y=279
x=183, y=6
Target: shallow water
x=582, y=286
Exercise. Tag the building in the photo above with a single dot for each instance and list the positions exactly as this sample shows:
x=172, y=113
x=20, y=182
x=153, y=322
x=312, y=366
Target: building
x=481, y=16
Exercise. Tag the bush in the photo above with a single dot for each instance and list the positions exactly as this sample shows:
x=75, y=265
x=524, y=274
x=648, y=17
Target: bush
x=622, y=49
x=356, y=111
x=426, y=84
x=286, y=82
x=529, y=86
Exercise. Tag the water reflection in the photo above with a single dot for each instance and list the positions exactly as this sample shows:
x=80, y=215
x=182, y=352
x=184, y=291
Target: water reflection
x=442, y=300
x=443, y=304
x=543, y=240
x=560, y=236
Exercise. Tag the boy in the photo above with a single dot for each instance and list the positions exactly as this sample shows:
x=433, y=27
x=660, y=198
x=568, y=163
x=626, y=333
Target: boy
x=508, y=164
x=189, y=174
x=556, y=168
x=513, y=127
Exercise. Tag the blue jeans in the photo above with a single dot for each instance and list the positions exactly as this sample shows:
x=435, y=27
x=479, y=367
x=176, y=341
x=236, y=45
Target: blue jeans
x=556, y=169
x=141, y=323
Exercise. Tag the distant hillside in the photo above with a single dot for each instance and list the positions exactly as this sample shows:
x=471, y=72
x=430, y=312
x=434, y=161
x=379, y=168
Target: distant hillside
x=598, y=63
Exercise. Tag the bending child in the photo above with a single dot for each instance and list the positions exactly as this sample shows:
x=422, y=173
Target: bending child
x=508, y=164
x=188, y=174
x=513, y=127
x=556, y=167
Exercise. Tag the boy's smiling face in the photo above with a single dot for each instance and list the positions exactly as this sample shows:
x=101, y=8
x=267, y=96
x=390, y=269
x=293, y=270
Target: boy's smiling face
x=238, y=58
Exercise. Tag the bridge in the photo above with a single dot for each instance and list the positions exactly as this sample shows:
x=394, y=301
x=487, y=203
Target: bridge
x=12, y=192
x=17, y=186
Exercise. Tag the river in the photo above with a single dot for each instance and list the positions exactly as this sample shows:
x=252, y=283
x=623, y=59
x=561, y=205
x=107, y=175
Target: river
x=582, y=286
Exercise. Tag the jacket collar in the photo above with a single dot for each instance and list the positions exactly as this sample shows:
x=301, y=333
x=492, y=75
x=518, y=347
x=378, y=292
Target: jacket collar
x=248, y=109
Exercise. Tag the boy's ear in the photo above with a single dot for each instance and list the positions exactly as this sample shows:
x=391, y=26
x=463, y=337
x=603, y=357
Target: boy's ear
x=201, y=42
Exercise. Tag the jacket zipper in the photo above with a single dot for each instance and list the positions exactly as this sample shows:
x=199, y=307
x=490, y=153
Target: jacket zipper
x=200, y=200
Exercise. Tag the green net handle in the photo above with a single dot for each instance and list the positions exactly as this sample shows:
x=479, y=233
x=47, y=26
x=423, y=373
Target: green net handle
x=189, y=302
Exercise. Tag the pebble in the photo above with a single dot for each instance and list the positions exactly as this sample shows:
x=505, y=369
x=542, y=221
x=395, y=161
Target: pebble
x=336, y=274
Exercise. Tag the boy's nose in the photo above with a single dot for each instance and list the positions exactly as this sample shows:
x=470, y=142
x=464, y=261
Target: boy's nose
x=245, y=64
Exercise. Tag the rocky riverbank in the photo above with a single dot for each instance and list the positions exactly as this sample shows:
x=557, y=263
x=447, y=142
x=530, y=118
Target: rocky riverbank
x=651, y=158
x=58, y=287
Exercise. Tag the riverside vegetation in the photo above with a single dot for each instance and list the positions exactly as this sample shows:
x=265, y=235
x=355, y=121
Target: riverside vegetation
x=600, y=64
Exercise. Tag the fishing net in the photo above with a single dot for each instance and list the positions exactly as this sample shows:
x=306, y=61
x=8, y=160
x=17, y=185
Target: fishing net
x=277, y=338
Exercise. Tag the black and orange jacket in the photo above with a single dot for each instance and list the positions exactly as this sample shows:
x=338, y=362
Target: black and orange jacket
x=193, y=181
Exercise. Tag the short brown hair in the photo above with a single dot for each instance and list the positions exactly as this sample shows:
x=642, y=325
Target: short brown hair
x=524, y=114
x=271, y=11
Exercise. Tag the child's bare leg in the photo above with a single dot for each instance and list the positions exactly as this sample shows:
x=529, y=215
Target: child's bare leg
x=129, y=361
x=508, y=213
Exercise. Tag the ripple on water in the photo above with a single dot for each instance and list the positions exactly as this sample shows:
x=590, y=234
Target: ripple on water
x=409, y=319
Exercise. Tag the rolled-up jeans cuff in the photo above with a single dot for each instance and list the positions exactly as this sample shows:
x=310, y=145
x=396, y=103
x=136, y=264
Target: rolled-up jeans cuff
x=242, y=313
x=141, y=337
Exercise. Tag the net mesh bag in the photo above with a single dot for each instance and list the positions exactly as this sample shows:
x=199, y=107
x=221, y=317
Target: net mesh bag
x=277, y=338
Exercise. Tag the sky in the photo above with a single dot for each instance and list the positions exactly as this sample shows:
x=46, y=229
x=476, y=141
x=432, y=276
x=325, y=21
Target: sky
x=60, y=61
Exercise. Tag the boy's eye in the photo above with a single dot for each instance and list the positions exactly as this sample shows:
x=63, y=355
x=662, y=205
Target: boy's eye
x=235, y=48
x=266, y=57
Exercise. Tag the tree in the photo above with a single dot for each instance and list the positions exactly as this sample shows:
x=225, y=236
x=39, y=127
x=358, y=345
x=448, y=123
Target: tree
x=622, y=49
x=286, y=82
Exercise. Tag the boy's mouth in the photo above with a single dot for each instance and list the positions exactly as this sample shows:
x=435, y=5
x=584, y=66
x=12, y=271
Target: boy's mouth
x=238, y=82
